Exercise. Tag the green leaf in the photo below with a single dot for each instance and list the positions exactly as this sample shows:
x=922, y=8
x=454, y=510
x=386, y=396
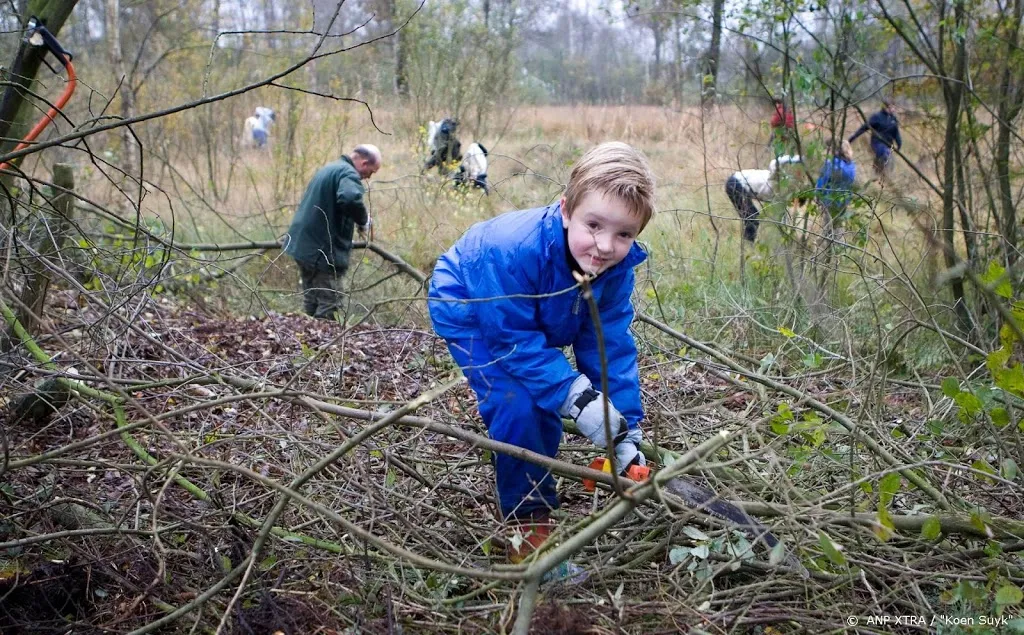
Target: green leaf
x=831, y=549
x=1011, y=379
x=950, y=387
x=1009, y=594
x=931, y=529
x=818, y=436
x=694, y=533
x=936, y=426
x=700, y=551
x=787, y=332
x=887, y=487
x=1016, y=625
x=969, y=404
x=1009, y=469
x=1000, y=417
x=780, y=428
x=390, y=478
x=267, y=563
x=997, y=279
x=984, y=466
x=812, y=360
x=885, y=527
x=678, y=554
x=485, y=546
x=978, y=521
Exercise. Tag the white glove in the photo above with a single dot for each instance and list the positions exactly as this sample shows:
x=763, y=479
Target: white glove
x=627, y=451
x=585, y=406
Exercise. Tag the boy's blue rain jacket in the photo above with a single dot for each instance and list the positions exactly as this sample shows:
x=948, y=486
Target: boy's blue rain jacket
x=834, y=188
x=504, y=262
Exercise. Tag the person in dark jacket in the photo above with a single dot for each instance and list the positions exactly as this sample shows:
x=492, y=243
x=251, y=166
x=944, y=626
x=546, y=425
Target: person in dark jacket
x=506, y=300
x=320, y=236
x=885, y=135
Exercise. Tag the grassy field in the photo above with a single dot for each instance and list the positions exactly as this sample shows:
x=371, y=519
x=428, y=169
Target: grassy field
x=212, y=190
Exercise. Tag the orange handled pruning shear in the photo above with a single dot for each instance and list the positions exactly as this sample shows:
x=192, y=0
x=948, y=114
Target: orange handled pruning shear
x=634, y=472
x=701, y=498
x=38, y=35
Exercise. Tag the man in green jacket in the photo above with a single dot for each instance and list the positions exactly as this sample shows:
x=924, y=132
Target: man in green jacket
x=320, y=237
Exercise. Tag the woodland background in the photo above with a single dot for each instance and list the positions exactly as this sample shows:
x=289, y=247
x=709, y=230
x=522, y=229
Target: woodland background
x=184, y=452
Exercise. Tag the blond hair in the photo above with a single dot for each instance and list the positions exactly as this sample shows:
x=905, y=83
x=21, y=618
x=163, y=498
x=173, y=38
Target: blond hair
x=841, y=149
x=613, y=169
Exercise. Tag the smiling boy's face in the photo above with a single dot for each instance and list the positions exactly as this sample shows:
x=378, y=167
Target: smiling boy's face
x=601, y=231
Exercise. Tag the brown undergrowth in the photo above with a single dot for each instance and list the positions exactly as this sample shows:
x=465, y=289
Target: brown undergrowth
x=97, y=537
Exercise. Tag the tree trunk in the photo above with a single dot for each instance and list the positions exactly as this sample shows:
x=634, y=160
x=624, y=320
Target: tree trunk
x=659, y=40
x=953, y=92
x=714, y=52
x=113, y=34
x=16, y=114
x=1010, y=103
x=401, y=53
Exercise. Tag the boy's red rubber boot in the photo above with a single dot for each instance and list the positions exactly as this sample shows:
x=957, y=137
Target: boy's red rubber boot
x=535, y=534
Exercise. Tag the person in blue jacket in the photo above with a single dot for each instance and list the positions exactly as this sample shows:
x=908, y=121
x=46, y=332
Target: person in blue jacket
x=885, y=135
x=834, y=188
x=506, y=299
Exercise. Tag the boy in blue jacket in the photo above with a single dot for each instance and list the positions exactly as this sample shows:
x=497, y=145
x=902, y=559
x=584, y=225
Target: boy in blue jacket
x=834, y=188
x=505, y=299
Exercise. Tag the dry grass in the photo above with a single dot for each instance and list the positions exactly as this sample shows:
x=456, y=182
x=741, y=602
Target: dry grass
x=252, y=193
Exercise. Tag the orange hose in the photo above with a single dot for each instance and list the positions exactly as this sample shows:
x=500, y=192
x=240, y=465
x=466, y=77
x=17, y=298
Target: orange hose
x=51, y=114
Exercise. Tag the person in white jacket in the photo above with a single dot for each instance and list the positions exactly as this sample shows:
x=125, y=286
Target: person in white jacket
x=746, y=186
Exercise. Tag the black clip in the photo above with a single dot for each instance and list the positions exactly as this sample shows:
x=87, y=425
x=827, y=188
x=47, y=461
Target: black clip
x=38, y=35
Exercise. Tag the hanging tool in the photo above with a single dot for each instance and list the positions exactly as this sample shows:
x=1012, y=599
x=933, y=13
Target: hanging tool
x=38, y=35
